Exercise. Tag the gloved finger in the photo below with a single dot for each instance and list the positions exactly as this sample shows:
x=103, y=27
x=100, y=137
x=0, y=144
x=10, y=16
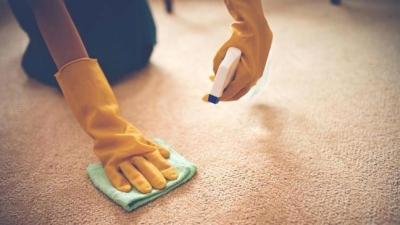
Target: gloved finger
x=149, y=142
x=117, y=179
x=164, y=152
x=150, y=172
x=205, y=98
x=212, y=77
x=233, y=88
x=240, y=82
x=162, y=164
x=241, y=93
x=135, y=177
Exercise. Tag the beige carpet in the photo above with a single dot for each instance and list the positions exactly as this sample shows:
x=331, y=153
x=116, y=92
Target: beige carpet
x=320, y=145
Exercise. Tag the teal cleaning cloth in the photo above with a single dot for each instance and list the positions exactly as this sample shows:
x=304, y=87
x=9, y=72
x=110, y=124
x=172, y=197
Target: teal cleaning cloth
x=134, y=199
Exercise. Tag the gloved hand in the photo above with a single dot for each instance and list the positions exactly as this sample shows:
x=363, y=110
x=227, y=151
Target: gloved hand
x=129, y=158
x=252, y=35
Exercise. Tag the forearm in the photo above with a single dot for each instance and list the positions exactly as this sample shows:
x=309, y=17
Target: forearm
x=58, y=31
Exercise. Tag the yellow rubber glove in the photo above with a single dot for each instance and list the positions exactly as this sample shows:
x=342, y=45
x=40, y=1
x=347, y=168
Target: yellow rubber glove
x=252, y=35
x=127, y=156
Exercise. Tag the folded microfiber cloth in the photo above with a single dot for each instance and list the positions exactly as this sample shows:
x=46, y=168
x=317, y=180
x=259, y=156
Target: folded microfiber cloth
x=134, y=199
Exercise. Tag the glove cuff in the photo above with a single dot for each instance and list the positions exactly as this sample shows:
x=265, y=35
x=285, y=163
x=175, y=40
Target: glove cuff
x=88, y=93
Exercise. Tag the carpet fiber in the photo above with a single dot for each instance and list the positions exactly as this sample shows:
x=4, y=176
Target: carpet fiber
x=320, y=145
